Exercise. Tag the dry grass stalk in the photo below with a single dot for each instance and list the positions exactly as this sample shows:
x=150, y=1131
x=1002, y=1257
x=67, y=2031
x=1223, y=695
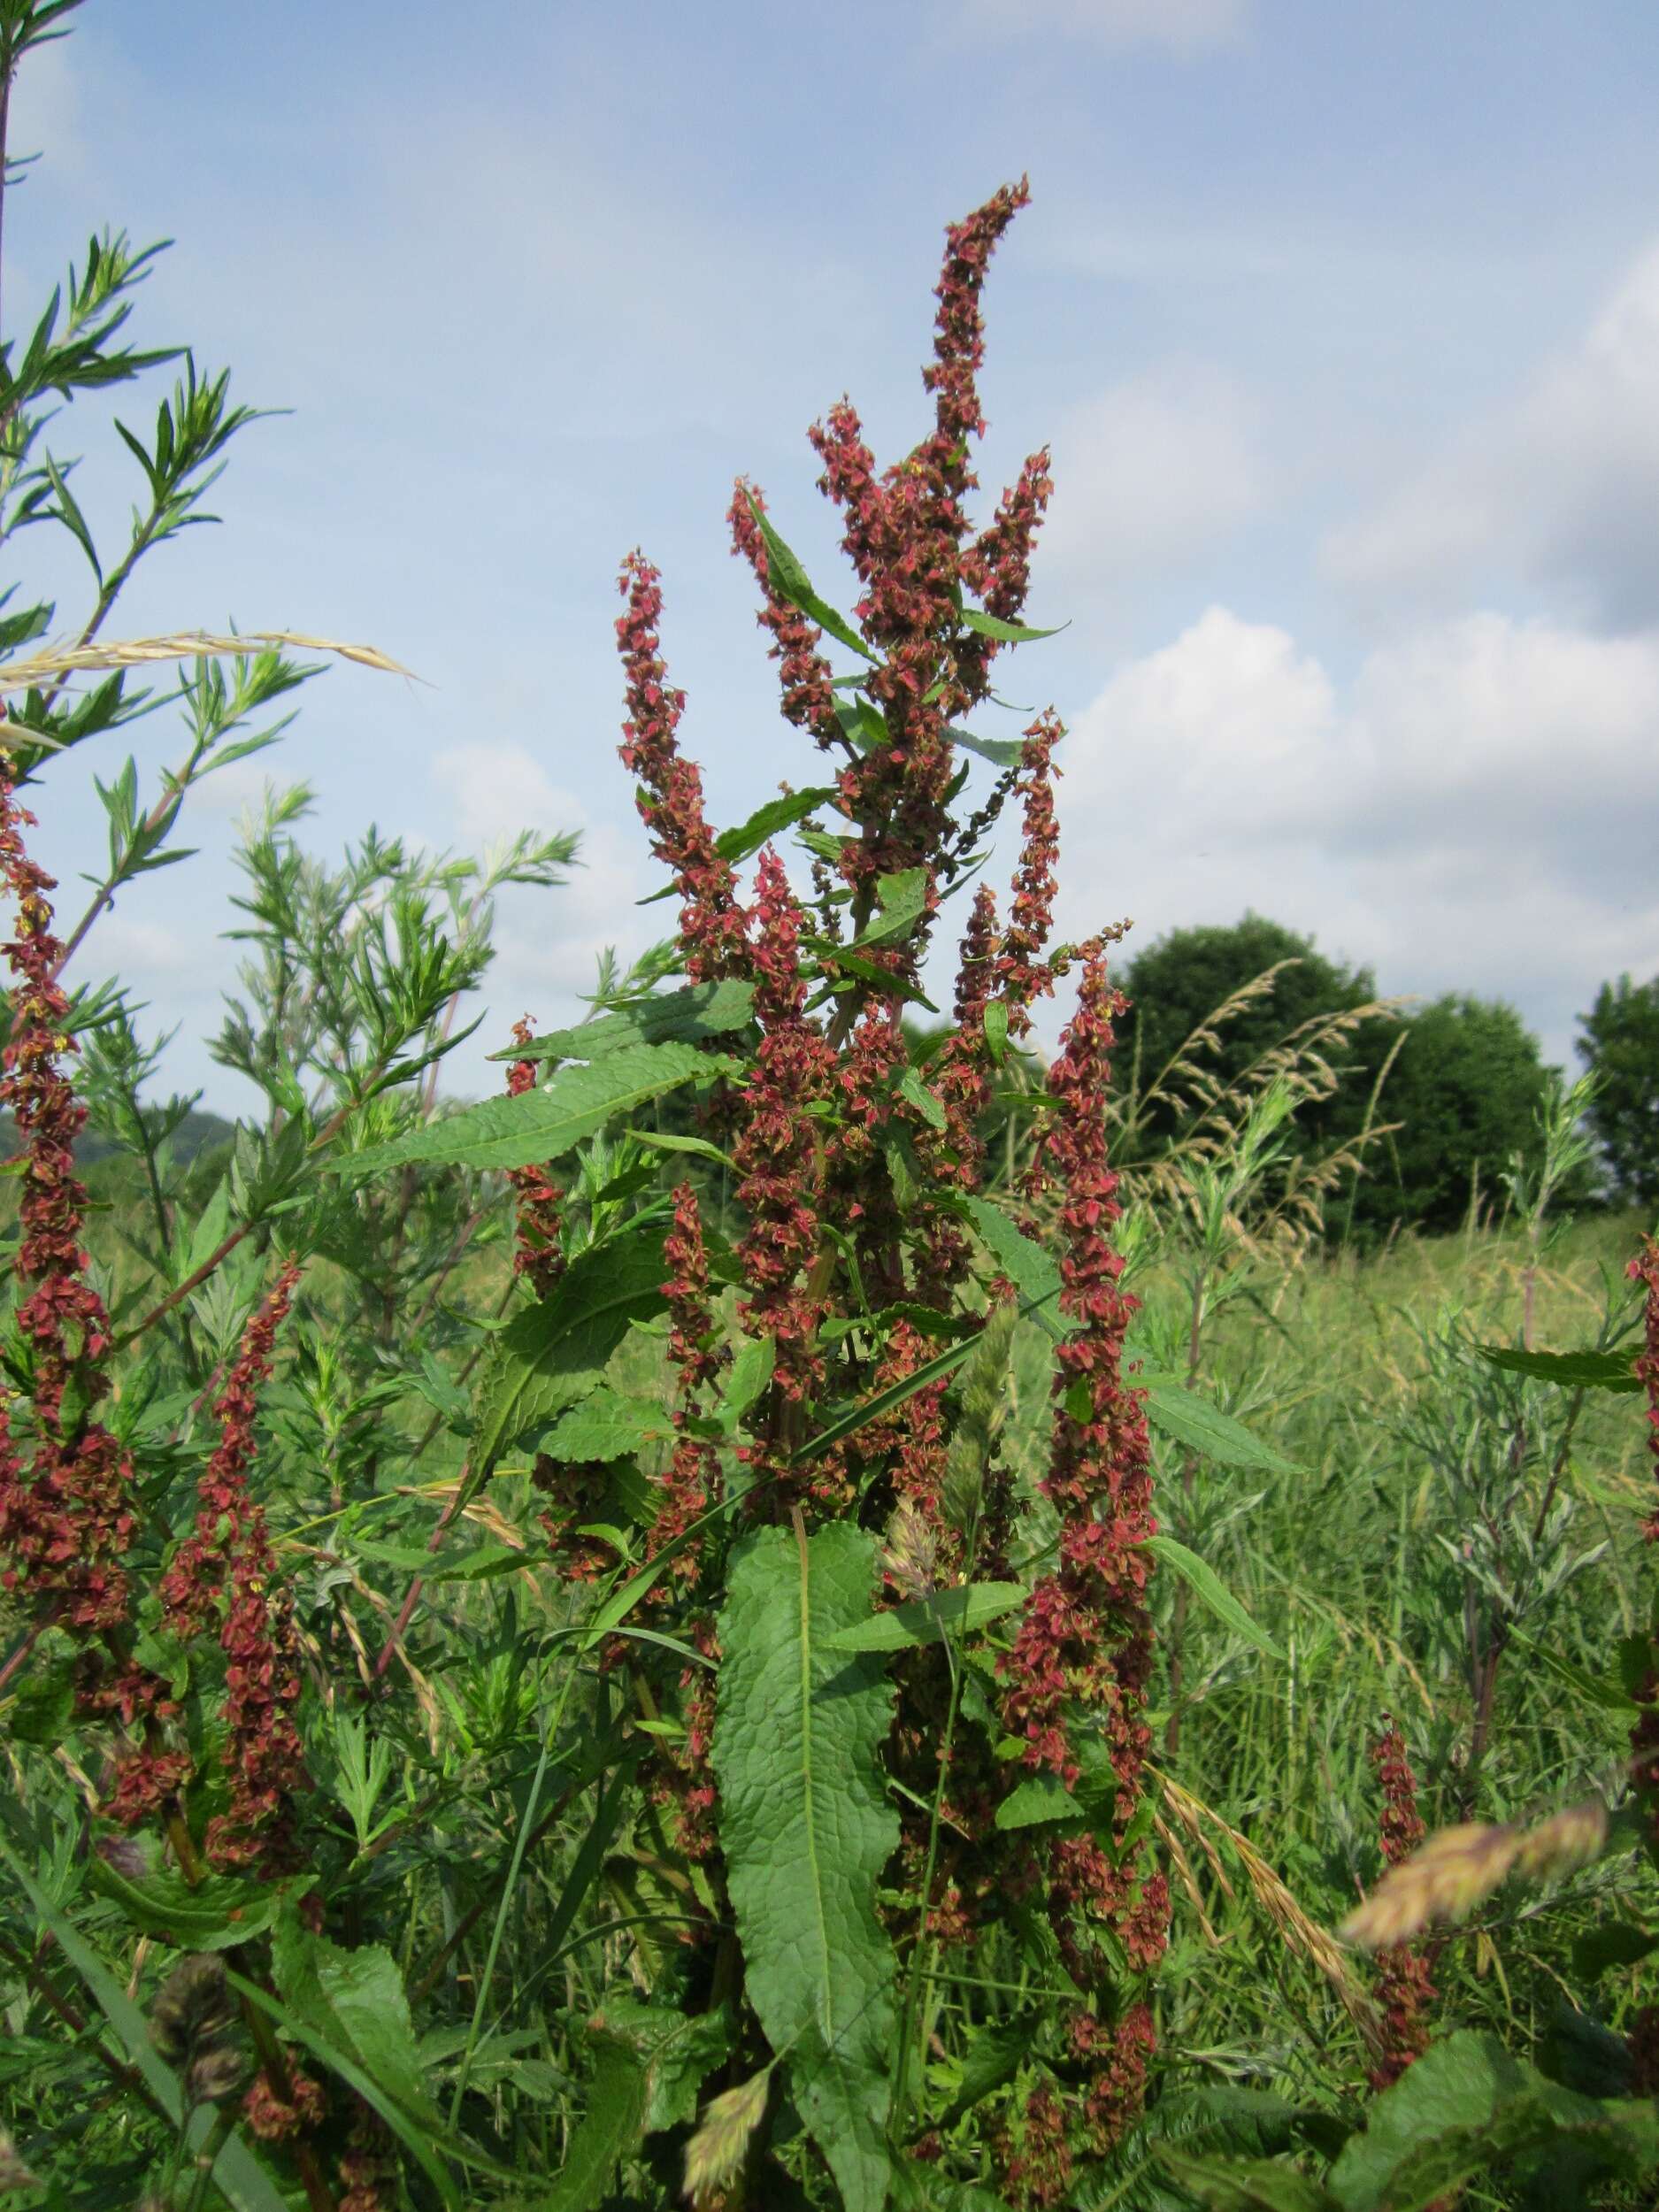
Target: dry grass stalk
x=182, y=645
x=715, y=2155
x=1301, y=1935
x=1183, y=1867
x=1459, y=1868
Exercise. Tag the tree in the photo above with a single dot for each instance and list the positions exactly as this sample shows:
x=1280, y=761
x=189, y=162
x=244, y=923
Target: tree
x=1465, y=1089
x=1620, y=1047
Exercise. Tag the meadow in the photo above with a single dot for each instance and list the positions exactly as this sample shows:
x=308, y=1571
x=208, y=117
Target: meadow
x=793, y=1609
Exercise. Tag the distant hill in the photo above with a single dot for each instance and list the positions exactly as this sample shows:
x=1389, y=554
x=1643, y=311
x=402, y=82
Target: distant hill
x=197, y=1132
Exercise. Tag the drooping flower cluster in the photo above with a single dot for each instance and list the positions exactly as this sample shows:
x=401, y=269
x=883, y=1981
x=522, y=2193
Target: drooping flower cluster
x=1083, y=1653
x=1404, y=1988
x=671, y=787
x=538, y=1258
x=66, y=1511
x=225, y=1570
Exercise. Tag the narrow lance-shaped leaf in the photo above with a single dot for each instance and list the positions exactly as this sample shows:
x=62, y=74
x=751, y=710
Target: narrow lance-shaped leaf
x=1204, y=1583
x=807, y=1830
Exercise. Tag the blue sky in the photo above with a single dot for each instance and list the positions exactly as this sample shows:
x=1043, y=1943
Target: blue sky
x=1343, y=324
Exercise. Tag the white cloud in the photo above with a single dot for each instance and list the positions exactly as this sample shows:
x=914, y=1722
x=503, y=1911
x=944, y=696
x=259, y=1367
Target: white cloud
x=548, y=942
x=1477, y=811
x=1559, y=488
x=1155, y=471
x=1188, y=26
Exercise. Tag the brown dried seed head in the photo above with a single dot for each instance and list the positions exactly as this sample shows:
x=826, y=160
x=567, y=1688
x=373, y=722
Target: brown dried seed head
x=194, y=2007
x=715, y=2153
x=1443, y=1881
x=1564, y=1842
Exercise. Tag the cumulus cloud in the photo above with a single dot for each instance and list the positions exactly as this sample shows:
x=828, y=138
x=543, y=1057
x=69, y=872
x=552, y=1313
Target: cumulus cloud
x=1476, y=809
x=1150, y=474
x=1559, y=488
x=548, y=943
x=1186, y=26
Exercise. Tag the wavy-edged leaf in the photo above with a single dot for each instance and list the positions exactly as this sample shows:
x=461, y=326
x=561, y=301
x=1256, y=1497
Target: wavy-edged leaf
x=1033, y=1273
x=746, y=1379
x=930, y=1620
x=221, y=1911
x=1467, y=2105
x=806, y=1830
x=671, y=1140
x=1214, y=1435
x=554, y=1353
x=766, y=821
x=915, y=1092
x=606, y=1425
x=1205, y=1584
x=1572, y=1370
x=1245, y=2184
x=1002, y=752
x=539, y=1125
x=349, y=2009
x=1038, y=1799
x=610, y=2130
x=901, y=902
x=704, y=1009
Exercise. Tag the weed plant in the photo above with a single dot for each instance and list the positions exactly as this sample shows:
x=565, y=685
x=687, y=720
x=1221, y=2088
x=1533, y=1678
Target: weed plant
x=749, y=1621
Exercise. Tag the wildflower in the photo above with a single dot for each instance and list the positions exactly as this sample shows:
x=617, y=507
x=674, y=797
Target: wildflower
x=1404, y=1988
x=692, y=1482
x=1645, y=1733
x=225, y=1570
x=778, y=1157
x=670, y=787
x=538, y=1258
x=807, y=700
x=1024, y=976
x=66, y=1517
x=272, y=2118
x=1085, y=1641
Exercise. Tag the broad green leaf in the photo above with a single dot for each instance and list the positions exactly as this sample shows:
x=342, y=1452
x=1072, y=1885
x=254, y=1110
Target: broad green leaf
x=1204, y=1583
x=1039, y=1798
x=1007, y=633
x=747, y=1380
x=1615, y=1943
x=610, y=2128
x=1244, y=2184
x=994, y=2055
x=606, y=1425
x=1033, y=1273
x=553, y=1355
x=237, y=2174
x=704, y=1009
x=766, y=821
x=806, y=1830
x=677, y=2050
x=901, y=902
x=355, y=2002
x=219, y=1912
x=1572, y=1370
x=1214, y=1435
x=930, y=1620
x=1601, y=1690
x=668, y=1140
x=996, y=1029
x=1002, y=752
x=788, y=581
x=539, y=1125
x=1466, y=2106
x=915, y=1092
